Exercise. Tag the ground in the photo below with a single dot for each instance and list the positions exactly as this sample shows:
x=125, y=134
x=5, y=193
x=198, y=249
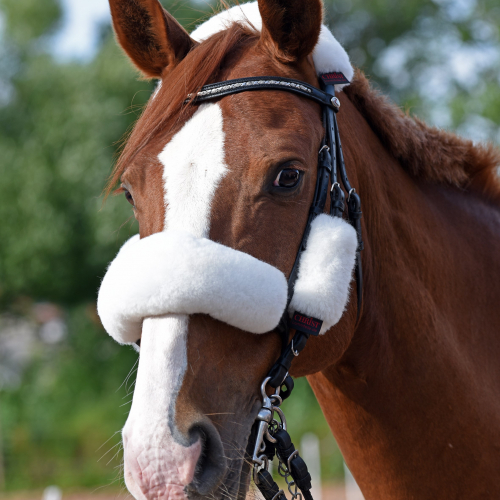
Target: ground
x=330, y=492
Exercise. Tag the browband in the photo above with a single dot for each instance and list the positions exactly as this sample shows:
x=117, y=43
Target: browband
x=221, y=89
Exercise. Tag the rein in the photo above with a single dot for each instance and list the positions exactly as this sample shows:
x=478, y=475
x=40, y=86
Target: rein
x=270, y=435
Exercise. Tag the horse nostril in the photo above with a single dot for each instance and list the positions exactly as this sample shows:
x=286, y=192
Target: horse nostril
x=211, y=465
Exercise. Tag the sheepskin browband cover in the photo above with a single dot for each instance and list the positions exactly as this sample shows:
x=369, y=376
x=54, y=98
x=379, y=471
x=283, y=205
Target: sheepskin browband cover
x=176, y=273
x=328, y=55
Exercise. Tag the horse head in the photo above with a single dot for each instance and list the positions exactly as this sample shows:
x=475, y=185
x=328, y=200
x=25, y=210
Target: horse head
x=222, y=192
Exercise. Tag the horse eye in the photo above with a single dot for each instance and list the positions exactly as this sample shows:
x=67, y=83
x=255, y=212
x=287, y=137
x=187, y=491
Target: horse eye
x=128, y=196
x=287, y=178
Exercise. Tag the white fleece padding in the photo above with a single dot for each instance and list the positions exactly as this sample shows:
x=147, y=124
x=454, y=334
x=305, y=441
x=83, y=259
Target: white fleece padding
x=328, y=55
x=173, y=272
x=325, y=271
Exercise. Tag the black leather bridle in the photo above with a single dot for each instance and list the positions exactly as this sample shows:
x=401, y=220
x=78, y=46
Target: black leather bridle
x=330, y=166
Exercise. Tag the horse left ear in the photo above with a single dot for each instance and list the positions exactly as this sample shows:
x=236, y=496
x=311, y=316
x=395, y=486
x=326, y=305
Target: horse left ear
x=150, y=36
x=290, y=28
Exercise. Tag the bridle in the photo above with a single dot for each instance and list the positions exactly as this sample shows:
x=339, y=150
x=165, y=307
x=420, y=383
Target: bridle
x=330, y=161
x=270, y=435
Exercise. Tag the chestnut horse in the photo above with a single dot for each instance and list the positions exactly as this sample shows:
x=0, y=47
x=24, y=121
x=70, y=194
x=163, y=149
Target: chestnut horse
x=411, y=389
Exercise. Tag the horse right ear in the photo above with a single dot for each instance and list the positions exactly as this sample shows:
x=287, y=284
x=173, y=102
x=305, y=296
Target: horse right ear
x=290, y=28
x=150, y=36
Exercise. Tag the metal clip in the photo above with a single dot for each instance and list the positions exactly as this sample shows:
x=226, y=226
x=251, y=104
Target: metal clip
x=264, y=417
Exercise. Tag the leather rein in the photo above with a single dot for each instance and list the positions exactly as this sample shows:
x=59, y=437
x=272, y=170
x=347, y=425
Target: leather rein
x=270, y=435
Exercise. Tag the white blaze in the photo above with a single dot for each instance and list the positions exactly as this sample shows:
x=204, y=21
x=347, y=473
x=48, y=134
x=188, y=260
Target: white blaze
x=155, y=462
x=194, y=165
x=193, y=168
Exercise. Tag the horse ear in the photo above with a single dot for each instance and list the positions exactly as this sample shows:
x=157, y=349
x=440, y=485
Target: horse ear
x=149, y=35
x=290, y=27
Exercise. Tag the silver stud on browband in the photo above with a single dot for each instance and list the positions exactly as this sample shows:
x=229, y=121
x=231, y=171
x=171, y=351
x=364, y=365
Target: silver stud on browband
x=335, y=103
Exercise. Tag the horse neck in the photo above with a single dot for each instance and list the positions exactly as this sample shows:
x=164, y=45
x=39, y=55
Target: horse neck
x=395, y=401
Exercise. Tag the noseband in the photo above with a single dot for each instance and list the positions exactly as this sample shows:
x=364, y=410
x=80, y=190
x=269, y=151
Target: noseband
x=270, y=435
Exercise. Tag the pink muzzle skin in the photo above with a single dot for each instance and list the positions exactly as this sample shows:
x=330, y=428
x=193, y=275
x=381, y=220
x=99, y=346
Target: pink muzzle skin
x=159, y=473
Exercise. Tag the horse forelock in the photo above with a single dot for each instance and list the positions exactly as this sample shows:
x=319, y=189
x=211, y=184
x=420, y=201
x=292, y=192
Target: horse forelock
x=167, y=111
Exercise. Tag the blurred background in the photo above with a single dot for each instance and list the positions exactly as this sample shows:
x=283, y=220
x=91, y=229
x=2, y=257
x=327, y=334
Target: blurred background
x=67, y=95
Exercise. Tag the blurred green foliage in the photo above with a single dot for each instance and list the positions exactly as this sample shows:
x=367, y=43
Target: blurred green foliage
x=57, y=140
x=438, y=58
x=64, y=416
x=29, y=20
x=59, y=128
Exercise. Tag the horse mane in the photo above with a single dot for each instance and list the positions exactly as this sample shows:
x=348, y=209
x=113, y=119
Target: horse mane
x=167, y=109
x=427, y=153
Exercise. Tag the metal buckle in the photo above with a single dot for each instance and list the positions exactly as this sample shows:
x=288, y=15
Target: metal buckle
x=257, y=469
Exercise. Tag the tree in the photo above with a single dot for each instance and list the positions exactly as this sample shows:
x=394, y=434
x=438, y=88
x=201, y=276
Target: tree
x=438, y=58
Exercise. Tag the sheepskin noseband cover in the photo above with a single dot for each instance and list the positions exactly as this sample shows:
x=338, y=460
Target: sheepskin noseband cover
x=173, y=272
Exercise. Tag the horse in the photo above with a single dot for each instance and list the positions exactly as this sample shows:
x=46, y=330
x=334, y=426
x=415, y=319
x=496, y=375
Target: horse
x=409, y=381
